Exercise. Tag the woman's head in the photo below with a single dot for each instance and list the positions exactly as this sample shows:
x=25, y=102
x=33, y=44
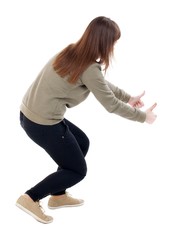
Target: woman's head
x=99, y=38
x=96, y=44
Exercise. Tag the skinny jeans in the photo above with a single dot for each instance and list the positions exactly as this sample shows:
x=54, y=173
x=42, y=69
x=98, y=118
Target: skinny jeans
x=67, y=145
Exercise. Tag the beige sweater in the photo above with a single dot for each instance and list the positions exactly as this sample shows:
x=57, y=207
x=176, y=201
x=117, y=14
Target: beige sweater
x=48, y=97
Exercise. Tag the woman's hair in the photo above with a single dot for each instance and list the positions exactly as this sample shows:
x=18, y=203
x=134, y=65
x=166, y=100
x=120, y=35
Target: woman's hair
x=96, y=44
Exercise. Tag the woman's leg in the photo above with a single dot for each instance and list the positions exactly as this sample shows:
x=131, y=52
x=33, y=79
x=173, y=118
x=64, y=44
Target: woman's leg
x=82, y=140
x=61, y=144
x=80, y=136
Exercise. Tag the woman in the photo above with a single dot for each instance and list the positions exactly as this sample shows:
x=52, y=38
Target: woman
x=65, y=81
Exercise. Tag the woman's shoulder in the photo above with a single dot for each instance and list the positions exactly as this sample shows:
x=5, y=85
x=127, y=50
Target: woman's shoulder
x=93, y=68
x=93, y=71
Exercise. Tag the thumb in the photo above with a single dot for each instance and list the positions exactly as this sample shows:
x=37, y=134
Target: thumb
x=153, y=106
x=142, y=94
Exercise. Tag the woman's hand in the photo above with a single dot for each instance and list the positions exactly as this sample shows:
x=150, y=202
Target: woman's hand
x=136, y=101
x=150, y=116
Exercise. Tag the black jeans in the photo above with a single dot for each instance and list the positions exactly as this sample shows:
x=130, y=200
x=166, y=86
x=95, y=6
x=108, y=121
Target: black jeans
x=67, y=145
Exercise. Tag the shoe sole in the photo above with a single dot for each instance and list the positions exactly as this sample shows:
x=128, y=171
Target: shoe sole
x=63, y=206
x=32, y=214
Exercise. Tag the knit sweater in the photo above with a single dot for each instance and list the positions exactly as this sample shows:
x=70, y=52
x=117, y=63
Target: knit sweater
x=48, y=97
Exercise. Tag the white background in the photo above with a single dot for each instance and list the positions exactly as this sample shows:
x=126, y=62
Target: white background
x=130, y=191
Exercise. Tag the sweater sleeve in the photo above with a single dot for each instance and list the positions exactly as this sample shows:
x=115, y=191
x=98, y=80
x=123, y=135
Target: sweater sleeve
x=119, y=93
x=111, y=98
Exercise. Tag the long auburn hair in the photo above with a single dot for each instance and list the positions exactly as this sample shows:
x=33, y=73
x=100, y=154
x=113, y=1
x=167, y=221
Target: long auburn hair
x=95, y=45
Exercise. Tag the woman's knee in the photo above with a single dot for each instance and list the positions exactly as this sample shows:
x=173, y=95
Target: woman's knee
x=82, y=171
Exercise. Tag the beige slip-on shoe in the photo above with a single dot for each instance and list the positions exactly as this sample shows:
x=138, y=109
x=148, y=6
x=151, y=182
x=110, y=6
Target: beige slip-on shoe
x=34, y=209
x=64, y=200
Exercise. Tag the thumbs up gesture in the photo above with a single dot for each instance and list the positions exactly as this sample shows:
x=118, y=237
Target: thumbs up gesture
x=150, y=116
x=138, y=103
